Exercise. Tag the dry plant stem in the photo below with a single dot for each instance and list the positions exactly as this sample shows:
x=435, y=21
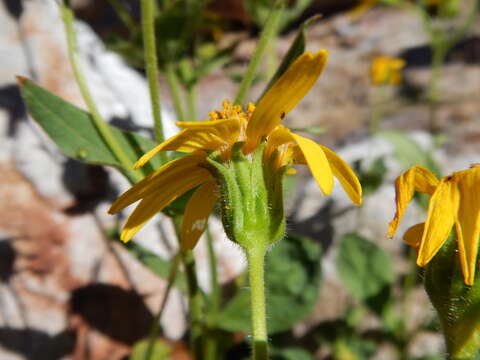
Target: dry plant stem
x=268, y=33
x=68, y=17
x=256, y=276
x=151, y=63
x=156, y=321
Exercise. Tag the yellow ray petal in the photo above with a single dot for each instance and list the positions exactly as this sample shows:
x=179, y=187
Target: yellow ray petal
x=417, y=178
x=284, y=95
x=162, y=177
x=317, y=161
x=413, y=235
x=156, y=201
x=345, y=175
x=198, y=209
x=279, y=136
x=468, y=220
x=188, y=141
x=223, y=128
x=440, y=220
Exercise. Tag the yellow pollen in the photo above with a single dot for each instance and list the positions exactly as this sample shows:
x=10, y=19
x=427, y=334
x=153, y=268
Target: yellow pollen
x=231, y=111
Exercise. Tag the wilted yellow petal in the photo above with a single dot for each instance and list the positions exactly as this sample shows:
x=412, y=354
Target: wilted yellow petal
x=279, y=136
x=284, y=95
x=413, y=235
x=440, y=219
x=188, y=141
x=345, y=175
x=156, y=201
x=317, y=161
x=196, y=214
x=468, y=220
x=162, y=178
x=417, y=178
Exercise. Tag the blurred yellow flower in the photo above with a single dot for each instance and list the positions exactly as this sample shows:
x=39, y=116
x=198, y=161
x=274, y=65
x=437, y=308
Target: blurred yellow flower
x=218, y=136
x=386, y=70
x=455, y=200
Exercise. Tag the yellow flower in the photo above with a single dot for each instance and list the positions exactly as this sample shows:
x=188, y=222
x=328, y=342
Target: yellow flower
x=218, y=136
x=386, y=70
x=455, y=200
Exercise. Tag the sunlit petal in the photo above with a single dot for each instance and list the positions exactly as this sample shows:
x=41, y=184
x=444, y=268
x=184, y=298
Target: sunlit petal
x=440, y=220
x=156, y=201
x=345, y=175
x=317, y=161
x=162, y=178
x=284, y=95
x=226, y=129
x=198, y=209
x=413, y=235
x=468, y=220
x=417, y=178
x=188, y=141
x=279, y=136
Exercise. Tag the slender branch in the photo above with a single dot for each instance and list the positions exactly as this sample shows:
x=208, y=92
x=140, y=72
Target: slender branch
x=174, y=87
x=156, y=321
x=150, y=51
x=102, y=127
x=268, y=33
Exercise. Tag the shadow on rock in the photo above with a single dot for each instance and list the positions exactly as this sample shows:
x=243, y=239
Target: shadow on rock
x=12, y=102
x=7, y=260
x=121, y=314
x=37, y=345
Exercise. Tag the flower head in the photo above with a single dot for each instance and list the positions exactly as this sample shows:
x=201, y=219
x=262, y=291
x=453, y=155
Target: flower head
x=226, y=141
x=386, y=70
x=455, y=200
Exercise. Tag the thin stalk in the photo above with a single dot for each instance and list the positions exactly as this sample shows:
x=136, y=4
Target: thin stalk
x=211, y=343
x=174, y=86
x=268, y=33
x=438, y=59
x=377, y=108
x=256, y=260
x=102, y=127
x=194, y=296
x=123, y=14
x=191, y=103
x=156, y=321
x=194, y=304
x=151, y=64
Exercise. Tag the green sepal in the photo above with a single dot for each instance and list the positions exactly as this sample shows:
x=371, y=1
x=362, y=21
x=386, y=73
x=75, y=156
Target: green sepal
x=457, y=304
x=251, y=198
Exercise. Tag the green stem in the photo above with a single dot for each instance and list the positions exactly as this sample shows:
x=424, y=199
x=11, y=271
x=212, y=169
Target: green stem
x=174, y=87
x=194, y=296
x=268, y=33
x=151, y=63
x=211, y=344
x=256, y=259
x=102, y=127
x=123, y=14
x=377, y=108
x=438, y=58
x=156, y=321
x=192, y=103
x=194, y=304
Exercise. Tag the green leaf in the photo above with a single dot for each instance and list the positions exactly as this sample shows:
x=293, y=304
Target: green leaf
x=292, y=353
x=75, y=133
x=408, y=152
x=155, y=264
x=372, y=178
x=364, y=267
x=161, y=351
x=292, y=279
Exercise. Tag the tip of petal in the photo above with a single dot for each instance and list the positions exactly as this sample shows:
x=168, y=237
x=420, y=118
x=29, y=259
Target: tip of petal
x=126, y=235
